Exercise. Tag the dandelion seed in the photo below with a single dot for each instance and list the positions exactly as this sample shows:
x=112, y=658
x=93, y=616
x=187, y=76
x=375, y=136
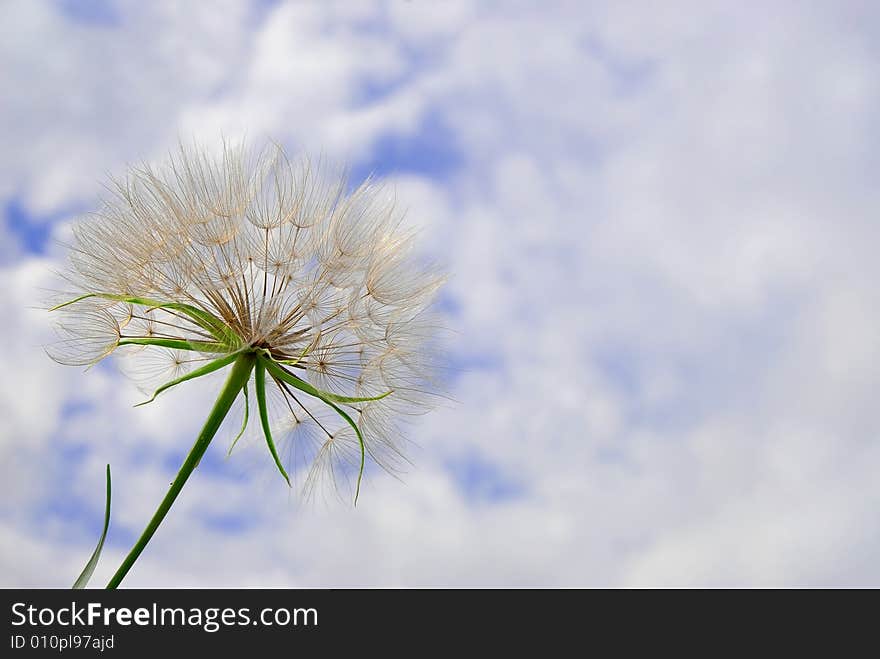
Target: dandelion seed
x=265, y=265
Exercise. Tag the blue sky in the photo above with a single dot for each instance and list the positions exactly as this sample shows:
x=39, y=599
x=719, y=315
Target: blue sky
x=660, y=227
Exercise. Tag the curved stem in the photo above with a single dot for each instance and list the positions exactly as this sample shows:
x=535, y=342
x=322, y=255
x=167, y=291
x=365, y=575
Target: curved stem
x=239, y=375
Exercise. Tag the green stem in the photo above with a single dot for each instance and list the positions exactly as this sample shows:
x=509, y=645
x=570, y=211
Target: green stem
x=238, y=377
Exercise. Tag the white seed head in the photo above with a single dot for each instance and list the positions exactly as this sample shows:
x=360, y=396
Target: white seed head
x=321, y=279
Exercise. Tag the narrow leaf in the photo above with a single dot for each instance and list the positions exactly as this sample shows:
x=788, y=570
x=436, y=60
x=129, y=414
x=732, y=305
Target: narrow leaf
x=325, y=395
x=86, y=574
x=306, y=351
x=178, y=344
x=304, y=386
x=244, y=422
x=347, y=399
x=199, y=372
x=260, y=387
x=216, y=327
x=207, y=321
x=74, y=301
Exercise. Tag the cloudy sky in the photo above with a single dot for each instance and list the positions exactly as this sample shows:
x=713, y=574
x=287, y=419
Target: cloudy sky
x=661, y=228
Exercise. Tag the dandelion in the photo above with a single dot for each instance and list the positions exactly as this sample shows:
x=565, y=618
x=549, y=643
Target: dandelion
x=310, y=296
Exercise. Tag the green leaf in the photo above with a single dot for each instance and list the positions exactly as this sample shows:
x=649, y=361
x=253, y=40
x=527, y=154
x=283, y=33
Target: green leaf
x=304, y=386
x=210, y=367
x=320, y=393
x=86, y=574
x=260, y=387
x=345, y=400
x=244, y=423
x=207, y=321
x=306, y=351
x=325, y=395
x=178, y=344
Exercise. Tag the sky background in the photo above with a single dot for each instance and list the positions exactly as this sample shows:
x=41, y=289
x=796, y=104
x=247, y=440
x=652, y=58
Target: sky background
x=661, y=224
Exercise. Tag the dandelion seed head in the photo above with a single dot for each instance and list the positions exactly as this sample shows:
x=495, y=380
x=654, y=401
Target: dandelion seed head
x=320, y=278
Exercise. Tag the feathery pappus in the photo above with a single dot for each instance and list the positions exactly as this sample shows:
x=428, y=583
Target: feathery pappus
x=311, y=292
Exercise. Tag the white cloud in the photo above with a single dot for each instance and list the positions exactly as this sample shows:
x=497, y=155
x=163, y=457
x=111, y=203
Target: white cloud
x=661, y=237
